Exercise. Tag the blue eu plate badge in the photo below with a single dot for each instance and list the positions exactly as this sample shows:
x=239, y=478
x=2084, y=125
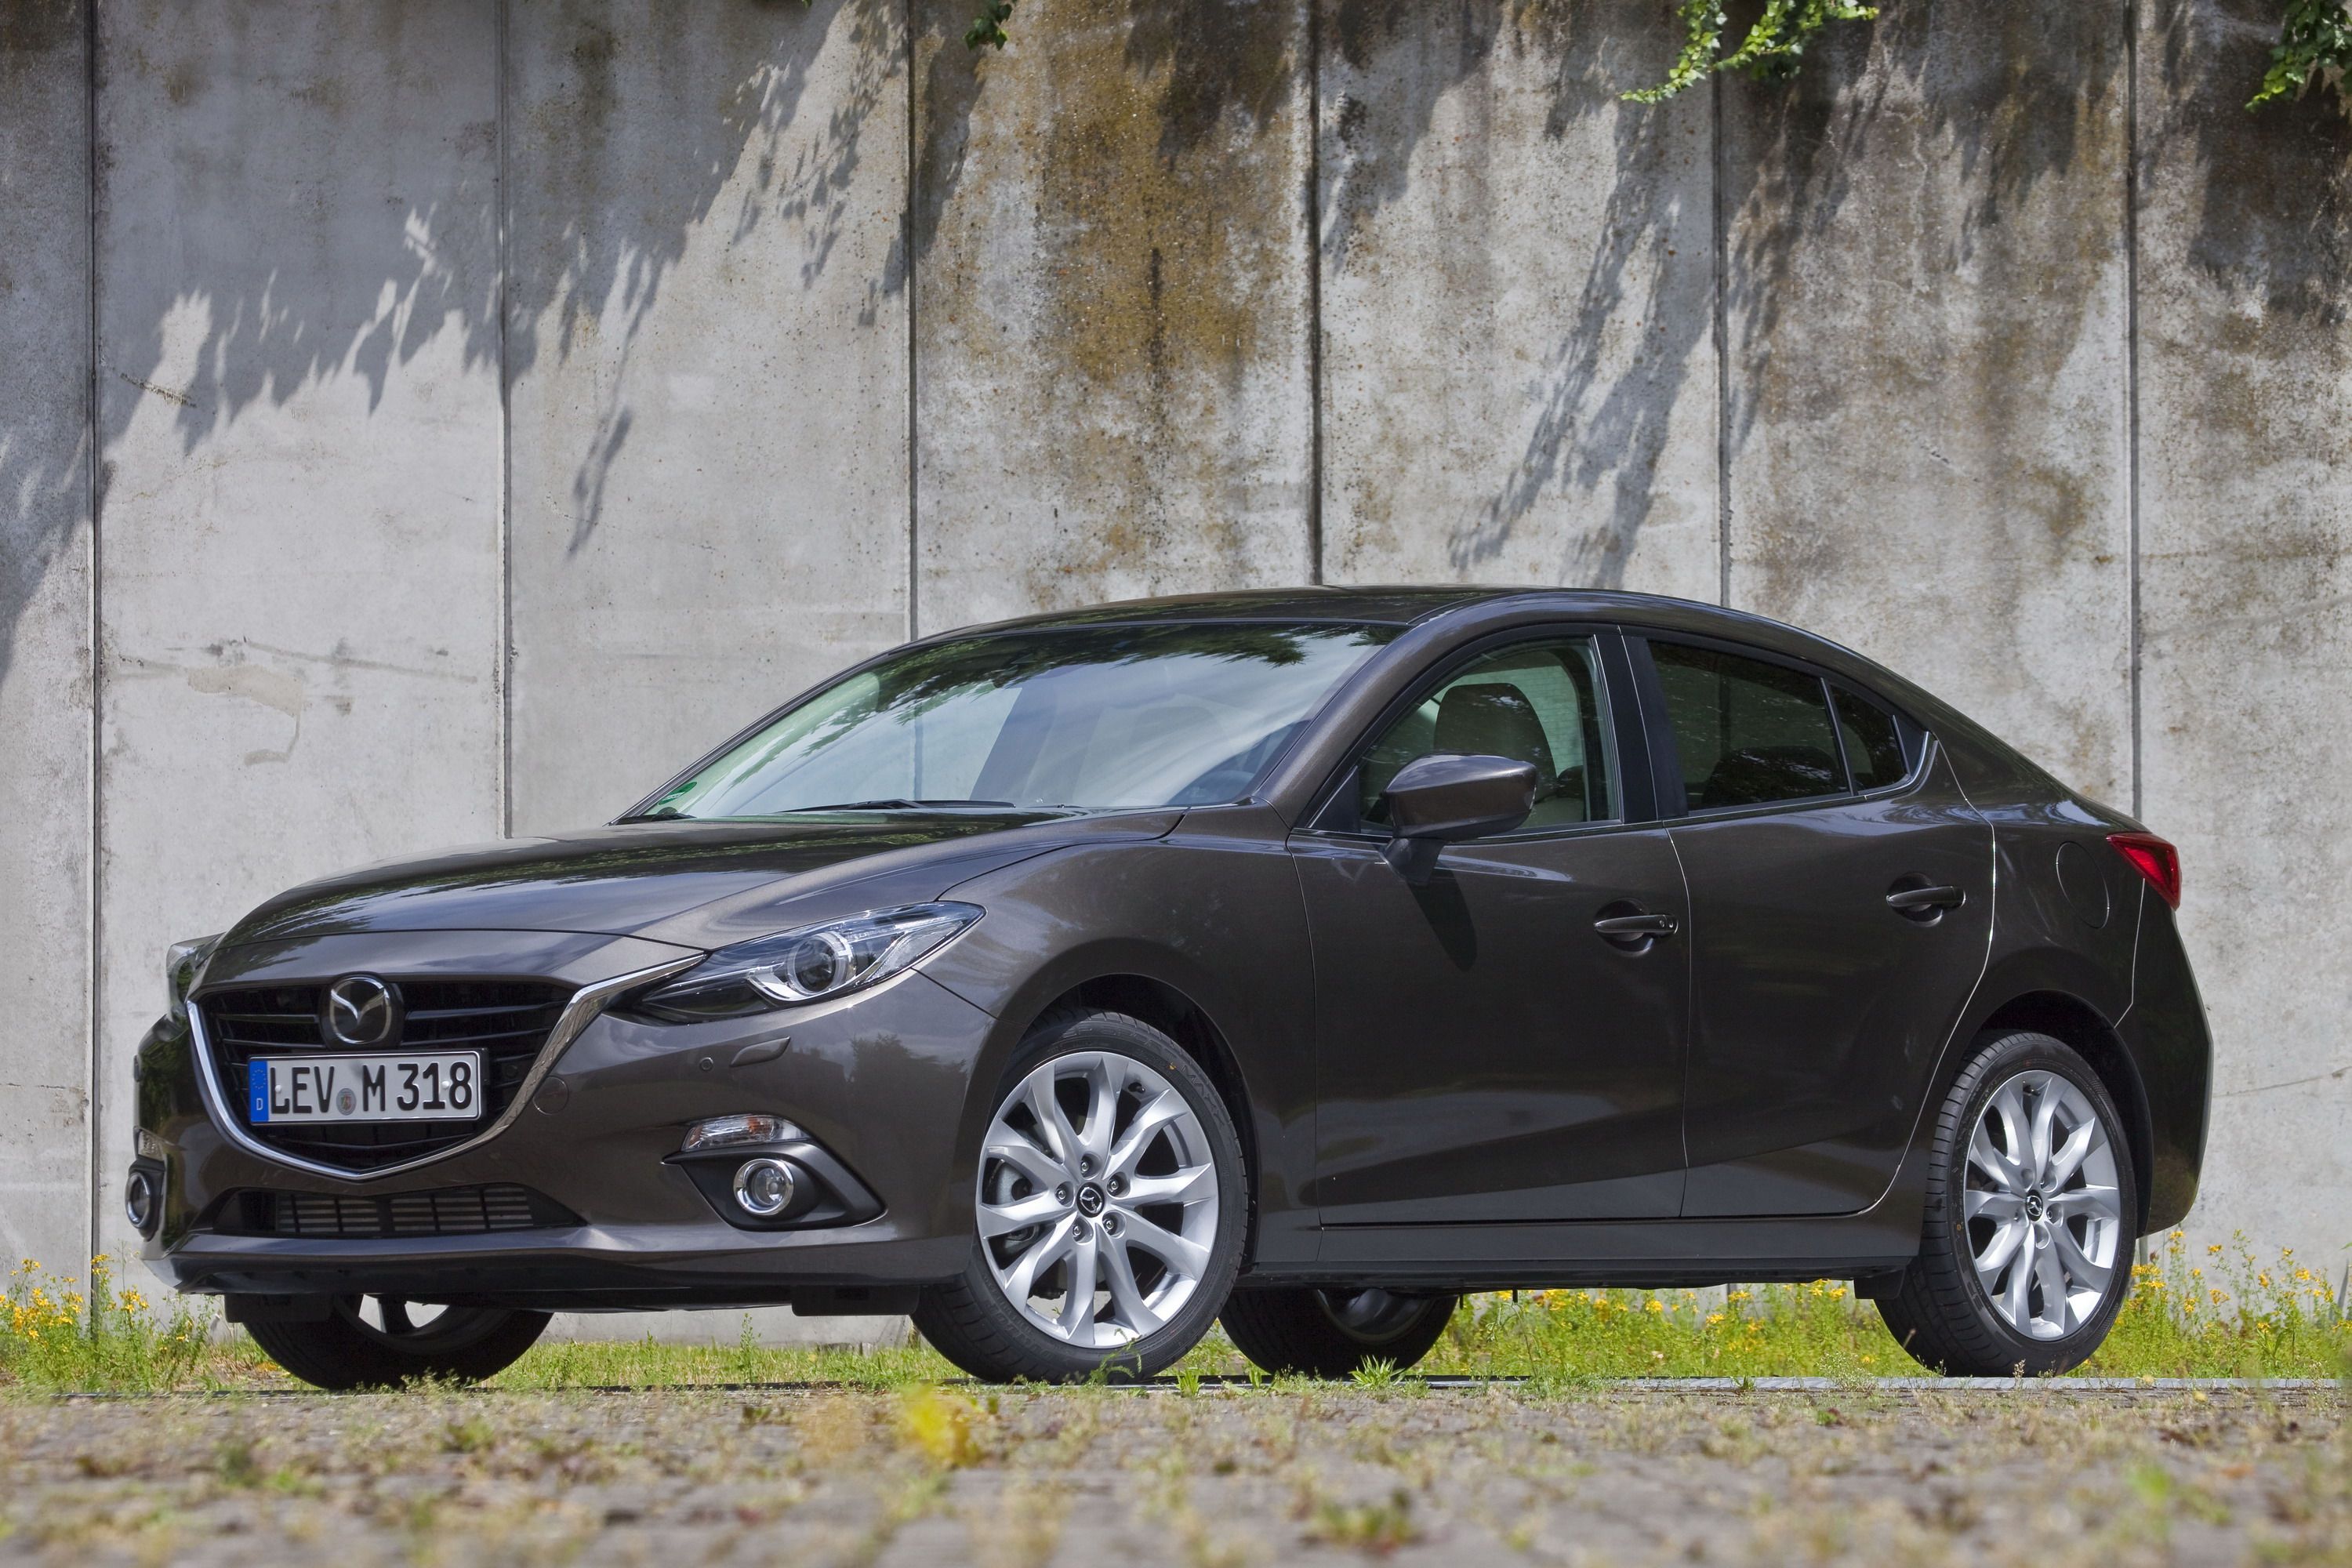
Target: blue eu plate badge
x=256, y=1089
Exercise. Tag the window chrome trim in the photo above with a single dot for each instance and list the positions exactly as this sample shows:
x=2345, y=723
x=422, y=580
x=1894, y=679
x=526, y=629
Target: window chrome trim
x=587, y=1004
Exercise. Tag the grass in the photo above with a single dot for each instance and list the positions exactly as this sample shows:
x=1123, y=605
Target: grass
x=2224, y=1314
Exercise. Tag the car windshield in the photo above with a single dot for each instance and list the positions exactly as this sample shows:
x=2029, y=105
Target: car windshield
x=1095, y=718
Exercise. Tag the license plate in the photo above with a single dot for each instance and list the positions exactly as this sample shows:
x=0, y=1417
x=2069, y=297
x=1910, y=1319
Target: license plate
x=435, y=1085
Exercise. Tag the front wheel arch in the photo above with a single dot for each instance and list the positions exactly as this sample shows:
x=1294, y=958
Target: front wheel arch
x=1148, y=999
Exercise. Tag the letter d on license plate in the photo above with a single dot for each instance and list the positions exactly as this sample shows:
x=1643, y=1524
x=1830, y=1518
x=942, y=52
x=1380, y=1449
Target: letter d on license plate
x=413, y=1086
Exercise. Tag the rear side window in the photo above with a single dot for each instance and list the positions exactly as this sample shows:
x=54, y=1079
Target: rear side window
x=1873, y=747
x=1747, y=733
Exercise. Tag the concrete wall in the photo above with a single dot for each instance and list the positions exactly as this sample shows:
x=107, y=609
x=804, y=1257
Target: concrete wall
x=497, y=402
x=1111, y=387
x=2245, y=373
x=46, y=913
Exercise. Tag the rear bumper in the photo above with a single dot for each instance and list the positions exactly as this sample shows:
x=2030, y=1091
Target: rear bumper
x=880, y=1081
x=2167, y=1034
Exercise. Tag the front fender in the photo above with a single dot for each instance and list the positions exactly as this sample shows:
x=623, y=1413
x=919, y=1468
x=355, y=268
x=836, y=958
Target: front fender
x=1213, y=912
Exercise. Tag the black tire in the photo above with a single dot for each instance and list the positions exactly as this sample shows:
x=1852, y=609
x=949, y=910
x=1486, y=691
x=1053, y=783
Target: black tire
x=343, y=1351
x=970, y=1322
x=1334, y=1333
x=1943, y=1312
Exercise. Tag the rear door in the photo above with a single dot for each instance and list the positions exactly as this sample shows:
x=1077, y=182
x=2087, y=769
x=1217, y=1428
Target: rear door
x=1840, y=891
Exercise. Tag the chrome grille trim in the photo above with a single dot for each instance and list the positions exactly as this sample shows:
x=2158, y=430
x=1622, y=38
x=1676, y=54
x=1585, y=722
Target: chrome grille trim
x=578, y=1014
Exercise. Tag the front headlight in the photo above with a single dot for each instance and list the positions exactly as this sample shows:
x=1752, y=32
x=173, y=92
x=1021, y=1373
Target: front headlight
x=812, y=963
x=183, y=960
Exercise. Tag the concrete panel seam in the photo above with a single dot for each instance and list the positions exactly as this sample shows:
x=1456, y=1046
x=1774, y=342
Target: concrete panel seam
x=1715, y=185
x=92, y=973
x=907, y=245
x=506, y=454
x=1314, y=195
x=2131, y=378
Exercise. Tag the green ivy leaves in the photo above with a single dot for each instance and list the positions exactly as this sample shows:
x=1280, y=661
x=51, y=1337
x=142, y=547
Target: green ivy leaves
x=1770, y=49
x=2316, y=40
x=988, y=27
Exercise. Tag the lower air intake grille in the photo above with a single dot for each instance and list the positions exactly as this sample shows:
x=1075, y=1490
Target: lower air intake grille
x=444, y=1211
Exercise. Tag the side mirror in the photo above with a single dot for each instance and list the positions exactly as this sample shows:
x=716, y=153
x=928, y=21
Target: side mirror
x=1441, y=800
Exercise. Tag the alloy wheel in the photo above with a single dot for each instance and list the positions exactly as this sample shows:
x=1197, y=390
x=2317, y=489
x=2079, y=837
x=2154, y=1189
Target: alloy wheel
x=1098, y=1199
x=2043, y=1207
x=418, y=1328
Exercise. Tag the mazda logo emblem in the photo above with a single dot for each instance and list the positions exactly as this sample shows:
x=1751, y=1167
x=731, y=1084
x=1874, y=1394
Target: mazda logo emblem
x=362, y=1011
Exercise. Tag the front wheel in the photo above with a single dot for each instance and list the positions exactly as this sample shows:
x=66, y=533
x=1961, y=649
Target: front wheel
x=1334, y=1333
x=1111, y=1211
x=384, y=1342
x=2025, y=1255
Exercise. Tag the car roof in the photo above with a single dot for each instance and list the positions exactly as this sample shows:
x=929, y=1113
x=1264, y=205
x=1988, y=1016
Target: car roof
x=1404, y=606
x=1412, y=605
x=1395, y=607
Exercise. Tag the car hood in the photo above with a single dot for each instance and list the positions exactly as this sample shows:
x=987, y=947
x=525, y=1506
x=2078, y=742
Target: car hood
x=697, y=884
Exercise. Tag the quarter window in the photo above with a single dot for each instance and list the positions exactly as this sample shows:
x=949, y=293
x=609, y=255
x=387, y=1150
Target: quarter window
x=1544, y=703
x=1747, y=733
x=1873, y=748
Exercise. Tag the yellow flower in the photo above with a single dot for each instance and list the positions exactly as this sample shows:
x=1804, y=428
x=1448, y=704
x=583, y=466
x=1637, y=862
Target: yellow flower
x=1713, y=1319
x=1655, y=1306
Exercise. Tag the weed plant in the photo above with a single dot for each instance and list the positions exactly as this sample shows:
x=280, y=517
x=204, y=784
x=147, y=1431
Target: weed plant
x=2224, y=1313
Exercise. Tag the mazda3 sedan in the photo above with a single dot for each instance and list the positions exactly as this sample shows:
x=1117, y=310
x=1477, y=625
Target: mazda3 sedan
x=1304, y=959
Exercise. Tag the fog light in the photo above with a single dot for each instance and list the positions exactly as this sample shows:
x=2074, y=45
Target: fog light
x=722, y=1131
x=140, y=1199
x=764, y=1187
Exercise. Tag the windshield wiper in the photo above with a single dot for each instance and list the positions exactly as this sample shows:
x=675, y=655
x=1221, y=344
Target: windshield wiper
x=901, y=804
x=658, y=814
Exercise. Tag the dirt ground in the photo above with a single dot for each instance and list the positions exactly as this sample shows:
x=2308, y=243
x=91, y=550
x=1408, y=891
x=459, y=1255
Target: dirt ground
x=2046, y=1477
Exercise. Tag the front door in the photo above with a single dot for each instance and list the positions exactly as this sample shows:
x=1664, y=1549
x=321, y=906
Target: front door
x=1841, y=893
x=1482, y=1052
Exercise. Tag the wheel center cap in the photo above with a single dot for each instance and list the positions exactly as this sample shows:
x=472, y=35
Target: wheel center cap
x=2033, y=1205
x=1090, y=1200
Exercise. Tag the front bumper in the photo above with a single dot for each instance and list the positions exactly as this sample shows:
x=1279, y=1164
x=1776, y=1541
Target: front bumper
x=879, y=1081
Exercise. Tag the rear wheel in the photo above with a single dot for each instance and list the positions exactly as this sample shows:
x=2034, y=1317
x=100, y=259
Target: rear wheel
x=1110, y=1209
x=1334, y=1333
x=384, y=1342
x=2025, y=1255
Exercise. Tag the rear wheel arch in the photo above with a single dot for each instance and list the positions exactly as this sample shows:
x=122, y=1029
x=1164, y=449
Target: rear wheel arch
x=2081, y=1027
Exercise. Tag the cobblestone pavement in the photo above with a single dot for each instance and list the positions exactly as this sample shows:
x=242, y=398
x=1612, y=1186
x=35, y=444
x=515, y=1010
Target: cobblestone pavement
x=2040, y=1476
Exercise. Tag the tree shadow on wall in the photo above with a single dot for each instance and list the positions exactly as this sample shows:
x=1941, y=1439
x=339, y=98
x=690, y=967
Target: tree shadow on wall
x=2274, y=217
x=288, y=195
x=1907, y=154
x=1600, y=419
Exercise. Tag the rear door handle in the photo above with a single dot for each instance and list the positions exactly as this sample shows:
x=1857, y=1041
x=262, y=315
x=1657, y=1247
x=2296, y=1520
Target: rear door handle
x=1910, y=901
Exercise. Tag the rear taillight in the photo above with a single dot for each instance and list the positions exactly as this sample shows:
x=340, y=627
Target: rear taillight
x=2154, y=858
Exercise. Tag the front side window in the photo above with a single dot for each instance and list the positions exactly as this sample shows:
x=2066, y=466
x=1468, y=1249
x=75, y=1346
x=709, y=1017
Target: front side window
x=1747, y=733
x=1544, y=703
x=1101, y=717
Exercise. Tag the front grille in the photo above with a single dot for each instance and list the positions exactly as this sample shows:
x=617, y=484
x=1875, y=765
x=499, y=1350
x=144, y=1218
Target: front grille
x=507, y=1020
x=445, y=1211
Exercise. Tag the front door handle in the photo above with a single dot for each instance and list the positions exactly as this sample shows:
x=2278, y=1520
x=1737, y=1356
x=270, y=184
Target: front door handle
x=1924, y=902
x=1634, y=932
